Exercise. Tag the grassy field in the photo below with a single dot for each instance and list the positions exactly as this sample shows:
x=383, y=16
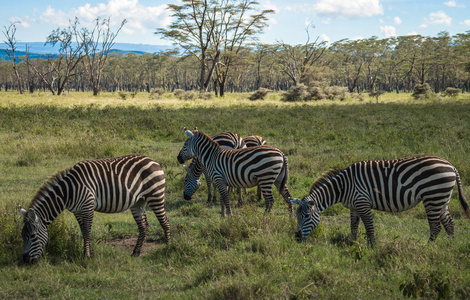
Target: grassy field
x=249, y=255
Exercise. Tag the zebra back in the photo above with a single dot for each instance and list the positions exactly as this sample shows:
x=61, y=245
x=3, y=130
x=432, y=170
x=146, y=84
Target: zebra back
x=253, y=141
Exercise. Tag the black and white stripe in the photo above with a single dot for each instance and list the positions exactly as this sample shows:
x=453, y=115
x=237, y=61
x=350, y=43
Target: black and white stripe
x=386, y=185
x=240, y=168
x=253, y=141
x=108, y=185
x=226, y=140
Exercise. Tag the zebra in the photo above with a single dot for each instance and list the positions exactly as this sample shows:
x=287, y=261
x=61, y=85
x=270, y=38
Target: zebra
x=387, y=185
x=226, y=140
x=108, y=185
x=253, y=141
x=239, y=168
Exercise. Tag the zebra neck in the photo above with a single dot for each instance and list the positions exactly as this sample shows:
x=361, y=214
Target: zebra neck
x=207, y=153
x=329, y=193
x=48, y=203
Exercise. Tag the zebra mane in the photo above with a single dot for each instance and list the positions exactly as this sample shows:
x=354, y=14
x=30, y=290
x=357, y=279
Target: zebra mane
x=47, y=186
x=325, y=177
x=207, y=137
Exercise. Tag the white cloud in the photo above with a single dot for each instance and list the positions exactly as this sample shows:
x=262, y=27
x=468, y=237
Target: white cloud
x=453, y=3
x=397, y=20
x=440, y=18
x=325, y=38
x=139, y=17
x=437, y=18
x=466, y=22
x=22, y=22
x=348, y=8
x=388, y=31
x=412, y=33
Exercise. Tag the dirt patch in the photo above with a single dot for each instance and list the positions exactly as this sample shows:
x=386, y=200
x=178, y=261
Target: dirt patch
x=129, y=244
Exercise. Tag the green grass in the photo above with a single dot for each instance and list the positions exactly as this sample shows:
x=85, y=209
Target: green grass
x=249, y=255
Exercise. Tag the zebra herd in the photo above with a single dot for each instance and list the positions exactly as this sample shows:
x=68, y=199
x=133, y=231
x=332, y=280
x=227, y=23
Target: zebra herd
x=132, y=182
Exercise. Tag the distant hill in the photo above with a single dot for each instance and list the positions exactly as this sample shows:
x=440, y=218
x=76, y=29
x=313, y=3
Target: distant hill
x=36, y=49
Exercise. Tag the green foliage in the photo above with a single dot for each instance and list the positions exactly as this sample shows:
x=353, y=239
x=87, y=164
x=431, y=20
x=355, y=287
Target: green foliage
x=434, y=285
x=422, y=91
x=259, y=94
x=451, y=92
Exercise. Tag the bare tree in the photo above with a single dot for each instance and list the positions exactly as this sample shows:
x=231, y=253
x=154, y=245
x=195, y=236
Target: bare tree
x=10, y=40
x=96, y=46
x=58, y=70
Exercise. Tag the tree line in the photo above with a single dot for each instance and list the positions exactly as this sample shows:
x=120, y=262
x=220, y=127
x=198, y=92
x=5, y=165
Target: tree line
x=216, y=50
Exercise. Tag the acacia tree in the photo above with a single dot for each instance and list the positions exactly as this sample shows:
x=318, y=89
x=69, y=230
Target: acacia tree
x=234, y=27
x=96, y=46
x=296, y=61
x=206, y=29
x=10, y=41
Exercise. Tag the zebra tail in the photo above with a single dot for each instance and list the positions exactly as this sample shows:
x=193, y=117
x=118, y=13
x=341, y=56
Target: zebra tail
x=462, y=199
x=285, y=177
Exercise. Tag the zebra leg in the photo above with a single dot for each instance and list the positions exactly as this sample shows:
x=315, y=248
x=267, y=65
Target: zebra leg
x=138, y=212
x=434, y=219
x=448, y=222
x=240, y=199
x=209, y=188
x=85, y=219
x=355, y=220
x=285, y=194
x=268, y=198
x=157, y=205
x=365, y=213
x=258, y=193
x=224, y=198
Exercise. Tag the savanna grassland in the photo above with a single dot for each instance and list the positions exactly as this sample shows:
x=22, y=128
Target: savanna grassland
x=248, y=255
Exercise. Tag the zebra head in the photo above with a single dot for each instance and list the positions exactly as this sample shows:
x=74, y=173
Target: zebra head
x=308, y=217
x=187, y=151
x=191, y=181
x=34, y=235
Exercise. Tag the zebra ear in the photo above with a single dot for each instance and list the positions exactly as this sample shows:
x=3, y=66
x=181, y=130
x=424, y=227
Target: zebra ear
x=188, y=132
x=22, y=211
x=296, y=201
x=32, y=215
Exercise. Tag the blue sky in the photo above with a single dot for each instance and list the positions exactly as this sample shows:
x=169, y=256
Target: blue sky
x=333, y=19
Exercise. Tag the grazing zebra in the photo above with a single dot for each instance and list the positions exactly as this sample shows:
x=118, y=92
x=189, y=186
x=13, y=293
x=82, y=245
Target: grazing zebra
x=387, y=185
x=239, y=168
x=108, y=185
x=253, y=141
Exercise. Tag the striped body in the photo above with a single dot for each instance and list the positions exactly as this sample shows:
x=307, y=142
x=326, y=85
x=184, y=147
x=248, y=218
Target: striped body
x=240, y=168
x=253, y=141
x=386, y=185
x=226, y=140
x=108, y=185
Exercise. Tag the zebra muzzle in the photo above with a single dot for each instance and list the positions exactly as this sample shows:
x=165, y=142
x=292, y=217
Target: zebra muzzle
x=299, y=236
x=180, y=159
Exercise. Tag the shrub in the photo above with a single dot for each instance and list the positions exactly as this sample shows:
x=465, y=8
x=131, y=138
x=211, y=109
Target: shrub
x=122, y=95
x=185, y=95
x=156, y=93
x=178, y=93
x=317, y=93
x=259, y=94
x=335, y=92
x=451, y=92
x=296, y=93
x=205, y=95
x=422, y=91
